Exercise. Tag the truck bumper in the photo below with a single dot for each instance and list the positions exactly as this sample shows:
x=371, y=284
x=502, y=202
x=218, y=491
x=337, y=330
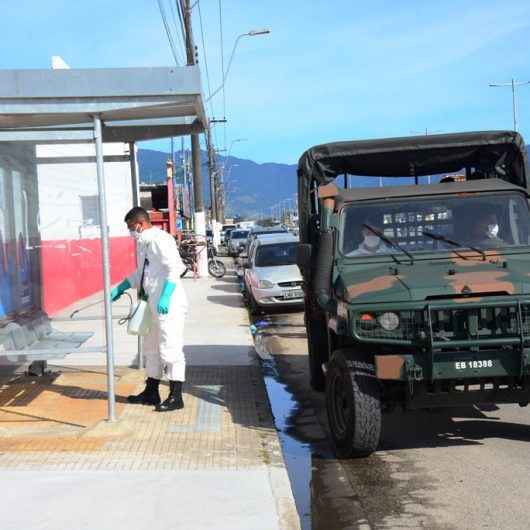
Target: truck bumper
x=458, y=378
x=453, y=365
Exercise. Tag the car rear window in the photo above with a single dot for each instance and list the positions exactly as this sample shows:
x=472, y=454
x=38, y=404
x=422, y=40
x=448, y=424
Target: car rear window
x=276, y=255
x=239, y=234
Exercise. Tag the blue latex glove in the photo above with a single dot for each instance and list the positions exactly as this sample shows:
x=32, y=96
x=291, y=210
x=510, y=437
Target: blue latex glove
x=165, y=298
x=118, y=291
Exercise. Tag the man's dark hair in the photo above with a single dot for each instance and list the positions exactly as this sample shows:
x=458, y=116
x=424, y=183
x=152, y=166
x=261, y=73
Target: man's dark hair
x=137, y=214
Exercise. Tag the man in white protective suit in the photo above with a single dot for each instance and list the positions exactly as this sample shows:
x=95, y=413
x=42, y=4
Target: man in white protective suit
x=158, y=277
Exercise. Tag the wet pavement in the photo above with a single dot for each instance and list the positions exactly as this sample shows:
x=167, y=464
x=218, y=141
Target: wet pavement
x=323, y=496
x=453, y=468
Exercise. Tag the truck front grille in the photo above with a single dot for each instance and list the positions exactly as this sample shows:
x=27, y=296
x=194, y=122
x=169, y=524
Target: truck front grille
x=476, y=323
x=447, y=326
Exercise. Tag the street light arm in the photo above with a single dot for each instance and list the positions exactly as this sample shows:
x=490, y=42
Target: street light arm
x=515, y=83
x=252, y=33
x=220, y=87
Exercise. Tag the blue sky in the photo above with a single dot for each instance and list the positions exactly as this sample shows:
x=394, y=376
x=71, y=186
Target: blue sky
x=330, y=70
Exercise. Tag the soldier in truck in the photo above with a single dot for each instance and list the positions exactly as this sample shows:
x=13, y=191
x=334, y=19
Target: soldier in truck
x=485, y=230
x=371, y=242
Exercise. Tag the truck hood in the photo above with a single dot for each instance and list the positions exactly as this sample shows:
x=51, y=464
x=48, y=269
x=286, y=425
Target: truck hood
x=433, y=279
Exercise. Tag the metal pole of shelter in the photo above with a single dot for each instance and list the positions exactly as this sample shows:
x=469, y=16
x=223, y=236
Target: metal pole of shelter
x=135, y=181
x=134, y=175
x=111, y=398
x=514, y=109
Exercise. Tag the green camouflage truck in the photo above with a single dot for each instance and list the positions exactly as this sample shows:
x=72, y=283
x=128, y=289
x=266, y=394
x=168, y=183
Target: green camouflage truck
x=416, y=294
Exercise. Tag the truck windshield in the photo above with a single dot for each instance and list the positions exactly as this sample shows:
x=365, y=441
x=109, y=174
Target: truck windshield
x=437, y=224
x=276, y=255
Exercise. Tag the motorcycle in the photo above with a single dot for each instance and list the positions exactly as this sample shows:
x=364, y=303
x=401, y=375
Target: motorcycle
x=189, y=251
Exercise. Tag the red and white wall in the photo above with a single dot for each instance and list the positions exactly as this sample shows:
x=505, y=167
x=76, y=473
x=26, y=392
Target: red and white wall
x=71, y=260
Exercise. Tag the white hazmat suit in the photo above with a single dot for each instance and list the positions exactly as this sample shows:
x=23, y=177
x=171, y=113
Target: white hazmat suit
x=163, y=346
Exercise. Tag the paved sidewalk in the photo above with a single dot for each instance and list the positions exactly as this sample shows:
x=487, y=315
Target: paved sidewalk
x=215, y=464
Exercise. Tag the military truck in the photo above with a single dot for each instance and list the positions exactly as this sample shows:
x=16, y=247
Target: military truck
x=416, y=294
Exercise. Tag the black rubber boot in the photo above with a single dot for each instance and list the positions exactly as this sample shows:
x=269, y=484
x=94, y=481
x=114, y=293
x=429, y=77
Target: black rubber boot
x=150, y=394
x=174, y=400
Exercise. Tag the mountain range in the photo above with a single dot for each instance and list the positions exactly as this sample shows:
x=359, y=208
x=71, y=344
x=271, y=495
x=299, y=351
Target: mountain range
x=251, y=188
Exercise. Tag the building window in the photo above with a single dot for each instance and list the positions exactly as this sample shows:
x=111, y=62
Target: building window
x=90, y=210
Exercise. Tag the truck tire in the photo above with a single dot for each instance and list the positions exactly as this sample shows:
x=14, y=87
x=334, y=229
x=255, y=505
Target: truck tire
x=317, y=343
x=353, y=402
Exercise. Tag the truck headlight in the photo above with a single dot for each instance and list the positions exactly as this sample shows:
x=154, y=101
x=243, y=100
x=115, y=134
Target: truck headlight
x=265, y=284
x=388, y=321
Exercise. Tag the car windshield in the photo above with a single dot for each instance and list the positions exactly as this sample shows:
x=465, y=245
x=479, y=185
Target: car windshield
x=436, y=224
x=239, y=234
x=276, y=255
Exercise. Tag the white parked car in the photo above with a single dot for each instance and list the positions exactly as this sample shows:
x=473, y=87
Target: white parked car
x=272, y=278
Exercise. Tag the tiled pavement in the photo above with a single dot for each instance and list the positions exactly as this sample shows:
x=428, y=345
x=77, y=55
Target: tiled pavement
x=225, y=424
x=220, y=453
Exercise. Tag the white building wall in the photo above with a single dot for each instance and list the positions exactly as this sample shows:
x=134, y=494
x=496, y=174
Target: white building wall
x=66, y=174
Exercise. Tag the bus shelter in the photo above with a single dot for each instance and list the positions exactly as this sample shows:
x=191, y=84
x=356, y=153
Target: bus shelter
x=56, y=107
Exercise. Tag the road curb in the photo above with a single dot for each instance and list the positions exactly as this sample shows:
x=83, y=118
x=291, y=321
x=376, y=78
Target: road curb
x=282, y=493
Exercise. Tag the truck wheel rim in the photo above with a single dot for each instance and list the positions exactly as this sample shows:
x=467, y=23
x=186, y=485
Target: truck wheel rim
x=340, y=405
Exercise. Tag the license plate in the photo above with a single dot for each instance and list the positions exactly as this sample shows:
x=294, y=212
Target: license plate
x=295, y=293
x=473, y=365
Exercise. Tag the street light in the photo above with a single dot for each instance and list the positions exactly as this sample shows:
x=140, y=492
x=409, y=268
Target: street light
x=513, y=84
x=251, y=33
x=232, y=145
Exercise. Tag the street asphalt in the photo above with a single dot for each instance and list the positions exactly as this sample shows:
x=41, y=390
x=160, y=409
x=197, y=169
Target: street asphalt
x=459, y=468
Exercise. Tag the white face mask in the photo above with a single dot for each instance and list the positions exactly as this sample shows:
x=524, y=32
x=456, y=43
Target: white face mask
x=135, y=235
x=493, y=230
x=371, y=241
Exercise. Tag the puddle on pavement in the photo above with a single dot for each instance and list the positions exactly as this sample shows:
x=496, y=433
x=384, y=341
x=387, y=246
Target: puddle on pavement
x=297, y=454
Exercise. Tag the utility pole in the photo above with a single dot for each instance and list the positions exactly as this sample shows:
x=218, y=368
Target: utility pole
x=513, y=84
x=215, y=184
x=214, y=198
x=198, y=214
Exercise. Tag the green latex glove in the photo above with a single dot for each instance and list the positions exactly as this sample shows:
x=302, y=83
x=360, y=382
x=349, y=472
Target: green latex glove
x=118, y=291
x=165, y=298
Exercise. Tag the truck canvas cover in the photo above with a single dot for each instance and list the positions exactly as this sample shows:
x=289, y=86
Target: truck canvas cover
x=501, y=154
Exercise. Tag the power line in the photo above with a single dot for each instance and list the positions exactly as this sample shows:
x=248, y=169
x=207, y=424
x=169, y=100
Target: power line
x=181, y=20
x=168, y=32
x=210, y=104
x=176, y=24
x=222, y=67
x=204, y=50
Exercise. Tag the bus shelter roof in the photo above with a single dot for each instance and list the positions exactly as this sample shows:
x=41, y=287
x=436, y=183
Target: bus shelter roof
x=98, y=105
x=133, y=104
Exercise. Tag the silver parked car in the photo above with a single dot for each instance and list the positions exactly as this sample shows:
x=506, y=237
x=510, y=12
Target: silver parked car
x=238, y=239
x=272, y=278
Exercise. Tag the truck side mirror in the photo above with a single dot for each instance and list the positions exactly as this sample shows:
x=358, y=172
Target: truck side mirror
x=303, y=256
